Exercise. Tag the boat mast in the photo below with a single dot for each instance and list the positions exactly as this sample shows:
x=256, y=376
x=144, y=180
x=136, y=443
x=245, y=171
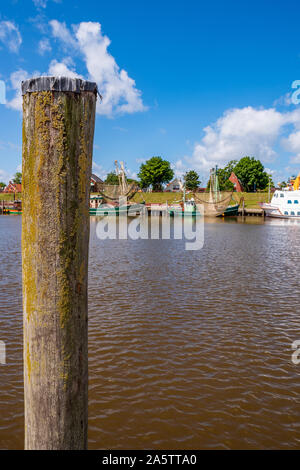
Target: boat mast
x=118, y=172
x=182, y=187
x=217, y=187
x=211, y=199
x=123, y=177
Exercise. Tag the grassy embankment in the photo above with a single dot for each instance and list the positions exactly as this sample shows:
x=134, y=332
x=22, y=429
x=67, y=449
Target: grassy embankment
x=252, y=200
x=9, y=196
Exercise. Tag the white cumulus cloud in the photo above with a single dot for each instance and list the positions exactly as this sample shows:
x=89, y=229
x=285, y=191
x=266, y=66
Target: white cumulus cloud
x=60, y=31
x=118, y=90
x=292, y=144
x=15, y=80
x=62, y=69
x=244, y=131
x=10, y=35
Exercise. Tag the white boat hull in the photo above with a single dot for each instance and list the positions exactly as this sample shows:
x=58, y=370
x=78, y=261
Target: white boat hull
x=281, y=216
x=273, y=211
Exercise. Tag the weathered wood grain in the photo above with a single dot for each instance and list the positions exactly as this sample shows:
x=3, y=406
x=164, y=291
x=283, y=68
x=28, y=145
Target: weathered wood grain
x=58, y=129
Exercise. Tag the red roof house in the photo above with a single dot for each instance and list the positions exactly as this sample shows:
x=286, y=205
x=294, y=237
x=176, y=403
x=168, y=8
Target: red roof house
x=236, y=182
x=13, y=188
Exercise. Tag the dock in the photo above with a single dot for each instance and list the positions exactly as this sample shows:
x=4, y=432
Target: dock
x=251, y=212
x=162, y=209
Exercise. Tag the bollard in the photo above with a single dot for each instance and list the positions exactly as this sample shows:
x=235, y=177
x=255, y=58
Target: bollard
x=58, y=131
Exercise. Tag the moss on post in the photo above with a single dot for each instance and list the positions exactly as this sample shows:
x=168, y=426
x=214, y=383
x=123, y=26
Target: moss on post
x=58, y=128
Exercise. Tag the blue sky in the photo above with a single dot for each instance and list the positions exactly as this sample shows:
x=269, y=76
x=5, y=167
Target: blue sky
x=199, y=83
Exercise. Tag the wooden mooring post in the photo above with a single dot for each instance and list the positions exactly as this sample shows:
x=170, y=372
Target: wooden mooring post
x=58, y=131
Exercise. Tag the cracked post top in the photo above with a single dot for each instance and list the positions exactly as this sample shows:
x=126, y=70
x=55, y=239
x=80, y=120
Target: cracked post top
x=75, y=85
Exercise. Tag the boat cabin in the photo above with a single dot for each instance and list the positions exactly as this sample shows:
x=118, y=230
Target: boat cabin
x=190, y=206
x=95, y=201
x=288, y=202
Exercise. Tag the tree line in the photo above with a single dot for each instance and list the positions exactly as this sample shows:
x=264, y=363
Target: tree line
x=249, y=171
x=156, y=172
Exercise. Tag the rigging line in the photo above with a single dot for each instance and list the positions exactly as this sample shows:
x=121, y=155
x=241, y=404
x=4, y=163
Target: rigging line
x=213, y=202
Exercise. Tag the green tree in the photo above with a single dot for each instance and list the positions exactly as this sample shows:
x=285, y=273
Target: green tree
x=252, y=174
x=131, y=181
x=2, y=185
x=112, y=178
x=191, y=179
x=155, y=172
x=224, y=175
x=17, y=179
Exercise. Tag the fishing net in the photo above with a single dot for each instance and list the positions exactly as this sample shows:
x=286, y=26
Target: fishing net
x=114, y=192
x=214, y=202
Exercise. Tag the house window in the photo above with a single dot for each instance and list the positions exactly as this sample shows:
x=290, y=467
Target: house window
x=296, y=202
x=286, y=213
x=281, y=195
x=292, y=213
x=289, y=202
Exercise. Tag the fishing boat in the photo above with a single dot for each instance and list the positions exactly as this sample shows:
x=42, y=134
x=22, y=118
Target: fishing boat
x=115, y=199
x=13, y=208
x=230, y=211
x=285, y=203
x=187, y=209
x=99, y=207
x=13, y=211
x=217, y=203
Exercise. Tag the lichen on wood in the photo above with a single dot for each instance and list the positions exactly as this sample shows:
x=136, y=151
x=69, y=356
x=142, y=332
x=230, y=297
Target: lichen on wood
x=58, y=132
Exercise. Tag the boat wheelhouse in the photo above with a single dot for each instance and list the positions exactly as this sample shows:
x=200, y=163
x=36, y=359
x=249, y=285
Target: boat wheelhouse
x=284, y=204
x=186, y=208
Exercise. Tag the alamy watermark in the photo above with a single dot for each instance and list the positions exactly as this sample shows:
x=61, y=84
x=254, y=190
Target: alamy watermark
x=182, y=226
x=295, y=95
x=2, y=353
x=296, y=353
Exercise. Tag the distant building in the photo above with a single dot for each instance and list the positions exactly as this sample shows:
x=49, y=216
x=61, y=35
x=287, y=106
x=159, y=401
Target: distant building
x=236, y=183
x=174, y=186
x=13, y=188
x=95, y=183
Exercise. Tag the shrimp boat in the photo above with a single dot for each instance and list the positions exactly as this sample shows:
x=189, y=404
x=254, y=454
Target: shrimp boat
x=285, y=203
x=186, y=208
x=115, y=199
x=13, y=209
x=99, y=207
x=217, y=203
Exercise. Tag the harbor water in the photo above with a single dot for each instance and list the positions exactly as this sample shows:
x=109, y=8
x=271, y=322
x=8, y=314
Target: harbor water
x=187, y=349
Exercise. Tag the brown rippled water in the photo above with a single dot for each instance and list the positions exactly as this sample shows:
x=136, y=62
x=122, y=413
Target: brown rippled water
x=187, y=350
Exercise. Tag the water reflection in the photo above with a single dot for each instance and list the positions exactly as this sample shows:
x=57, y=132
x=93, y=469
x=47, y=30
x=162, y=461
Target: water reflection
x=186, y=349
